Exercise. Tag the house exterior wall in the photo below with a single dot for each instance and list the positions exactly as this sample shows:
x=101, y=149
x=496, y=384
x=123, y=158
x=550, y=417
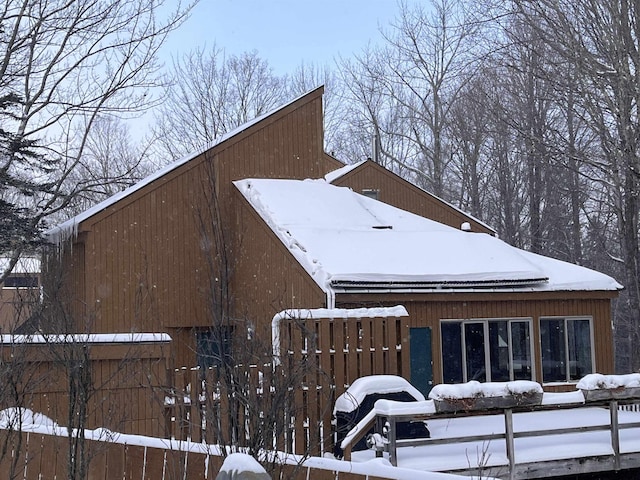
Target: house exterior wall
x=144, y=263
x=400, y=193
x=268, y=279
x=15, y=306
x=144, y=258
x=428, y=310
x=122, y=374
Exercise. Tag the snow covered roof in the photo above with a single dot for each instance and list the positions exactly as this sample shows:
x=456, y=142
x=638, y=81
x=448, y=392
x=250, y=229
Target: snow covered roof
x=93, y=338
x=69, y=227
x=25, y=265
x=347, y=242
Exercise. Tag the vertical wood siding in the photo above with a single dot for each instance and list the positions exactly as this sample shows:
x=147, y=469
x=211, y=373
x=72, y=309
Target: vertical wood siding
x=145, y=255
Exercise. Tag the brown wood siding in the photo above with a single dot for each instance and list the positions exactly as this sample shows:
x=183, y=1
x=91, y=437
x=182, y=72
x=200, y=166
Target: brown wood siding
x=425, y=313
x=144, y=254
x=130, y=375
x=268, y=279
x=396, y=191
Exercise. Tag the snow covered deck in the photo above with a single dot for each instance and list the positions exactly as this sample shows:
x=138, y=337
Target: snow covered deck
x=560, y=437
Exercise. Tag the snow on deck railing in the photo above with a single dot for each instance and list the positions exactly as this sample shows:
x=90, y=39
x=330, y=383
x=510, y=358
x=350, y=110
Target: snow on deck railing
x=597, y=381
x=90, y=338
x=387, y=413
x=487, y=389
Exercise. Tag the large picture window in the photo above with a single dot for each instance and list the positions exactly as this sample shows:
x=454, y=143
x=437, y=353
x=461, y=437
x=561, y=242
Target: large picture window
x=567, y=352
x=486, y=350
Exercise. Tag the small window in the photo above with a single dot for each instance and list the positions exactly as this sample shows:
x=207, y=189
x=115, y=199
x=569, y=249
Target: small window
x=21, y=281
x=567, y=350
x=214, y=346
x=371, y=193
x=486, y=350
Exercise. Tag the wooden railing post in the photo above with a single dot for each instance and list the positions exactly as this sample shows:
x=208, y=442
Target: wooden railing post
x=615, y=433
x=508, y=436
x=392, y=437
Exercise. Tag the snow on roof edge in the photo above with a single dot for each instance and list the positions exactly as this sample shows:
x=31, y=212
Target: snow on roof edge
x=342, y=171
x=25, y=265
x=253, y=198
x=562, y=276
x=69, y=228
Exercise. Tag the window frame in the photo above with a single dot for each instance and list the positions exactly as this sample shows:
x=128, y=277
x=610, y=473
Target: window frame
x=567, y=365
x=373, y=193
x=207, y=340
x=487, y=348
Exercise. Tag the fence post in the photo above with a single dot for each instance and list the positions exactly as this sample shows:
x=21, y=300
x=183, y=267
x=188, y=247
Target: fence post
x=391, y=435
x=508, y=436
x=169, y=404
x=615, y=433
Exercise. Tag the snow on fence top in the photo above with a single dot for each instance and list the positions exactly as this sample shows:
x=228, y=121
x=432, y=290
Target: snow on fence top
x=320, y=313
x=376, y=312
x=95, y=338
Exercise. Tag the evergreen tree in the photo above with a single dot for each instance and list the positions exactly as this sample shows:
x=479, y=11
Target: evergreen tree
x=23, y=181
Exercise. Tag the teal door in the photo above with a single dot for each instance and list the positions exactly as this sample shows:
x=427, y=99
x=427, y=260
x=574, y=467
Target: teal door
x=421, y=361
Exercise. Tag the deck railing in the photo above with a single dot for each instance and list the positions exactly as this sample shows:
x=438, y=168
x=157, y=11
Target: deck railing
x=385, y=425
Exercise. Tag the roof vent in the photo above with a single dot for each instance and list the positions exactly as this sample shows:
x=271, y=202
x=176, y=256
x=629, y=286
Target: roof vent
x=383, y=227
x=465, y=227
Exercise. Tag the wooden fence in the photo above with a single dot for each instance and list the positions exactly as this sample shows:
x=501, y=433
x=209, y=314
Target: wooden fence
x=43, y=456
x=117, y=381
x=290, y=400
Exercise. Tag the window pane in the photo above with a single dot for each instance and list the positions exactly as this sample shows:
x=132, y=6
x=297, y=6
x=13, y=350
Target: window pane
x=474, y=343
x=553, y=351
x=213, y=346
x=579, y=341
x=451, y=352
x=521, y=350
x=499, y=351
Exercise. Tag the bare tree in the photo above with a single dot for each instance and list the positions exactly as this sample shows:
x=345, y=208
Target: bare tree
x=112, y=161
x=309, y=76
x=416, y=78
x=249, y=396
x=600, y=40
x=211, y=94
x=64, y=64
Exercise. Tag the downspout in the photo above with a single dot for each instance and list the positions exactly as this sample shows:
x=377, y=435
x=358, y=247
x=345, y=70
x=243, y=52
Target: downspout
x=331, y=298
x=275, y=337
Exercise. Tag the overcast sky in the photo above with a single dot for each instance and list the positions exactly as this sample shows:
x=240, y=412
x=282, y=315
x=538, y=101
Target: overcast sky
x=286, y=32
